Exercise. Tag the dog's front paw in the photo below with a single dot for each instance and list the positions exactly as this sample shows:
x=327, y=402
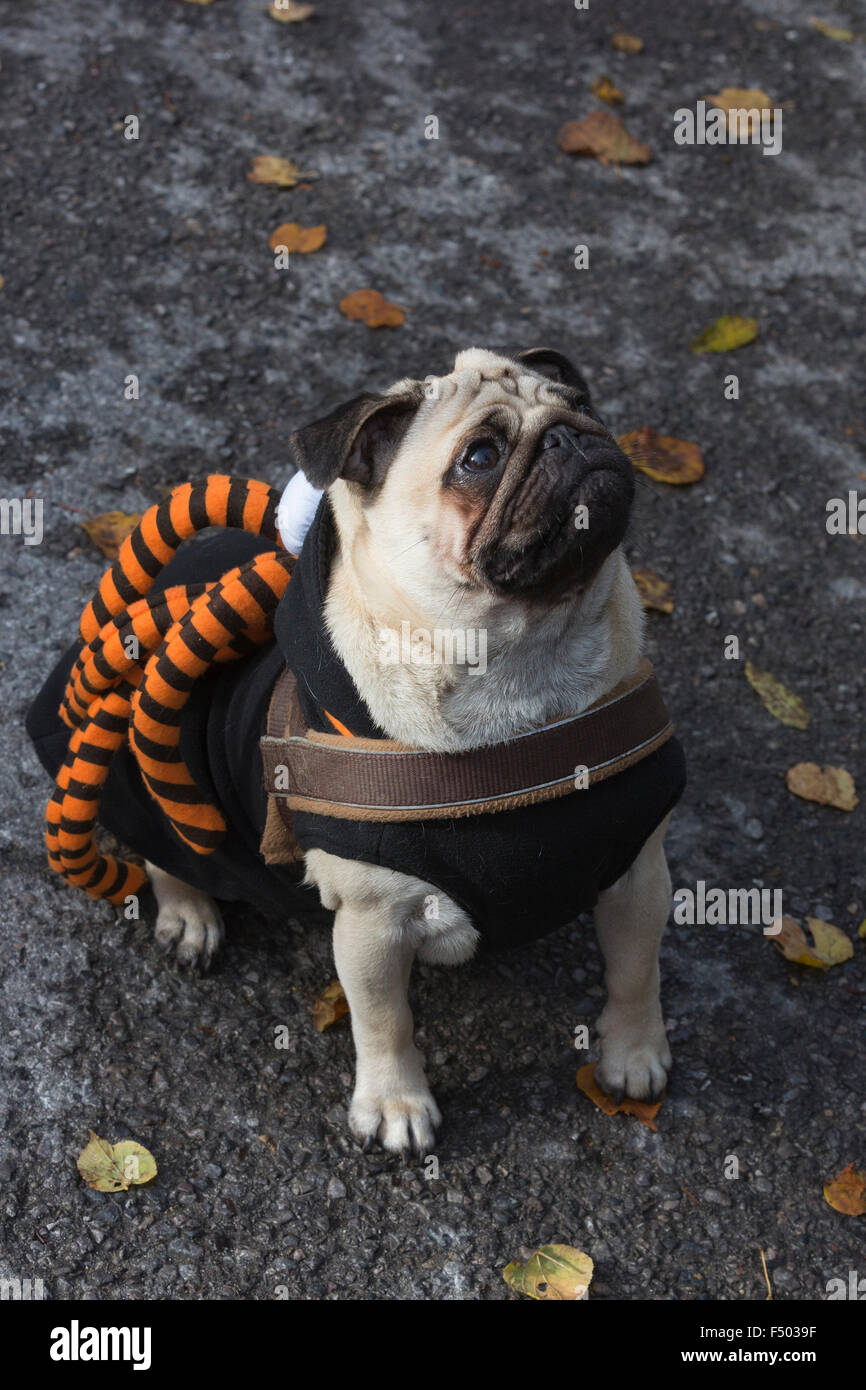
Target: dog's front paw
x=396, y=1108
x=635, y=1056
x=190, y=924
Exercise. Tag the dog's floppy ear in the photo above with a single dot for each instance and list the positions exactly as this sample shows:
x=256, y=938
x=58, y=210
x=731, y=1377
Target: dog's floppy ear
x=357, y=440
x=548, y=362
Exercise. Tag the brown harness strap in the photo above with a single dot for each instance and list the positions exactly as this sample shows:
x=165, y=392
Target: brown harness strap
x=382, y=780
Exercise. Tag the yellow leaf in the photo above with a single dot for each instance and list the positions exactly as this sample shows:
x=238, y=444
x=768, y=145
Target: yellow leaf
x=643, y=1110
x=553, y=1274
x=861, y=930
x=604, y=136
x=199, y=2
x=742, y=107
x=626, y=43
x=115, y=1167
x=655, y=592
x=330, y=1007
x=293, y=237
x=847, y=1191
x=662, y=457
x=110, y=529
x=372, y=308
x=288, y=12
x=283, y=173
x=777, y=699
x=829, y=945
x=604, y=89
x=830, y=31
x=726, y=333
x=829, y=786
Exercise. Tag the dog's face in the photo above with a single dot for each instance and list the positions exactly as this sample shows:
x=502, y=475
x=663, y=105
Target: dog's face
x=498, y=476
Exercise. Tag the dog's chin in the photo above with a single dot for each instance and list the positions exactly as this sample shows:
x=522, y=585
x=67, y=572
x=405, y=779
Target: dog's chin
x=551, y=556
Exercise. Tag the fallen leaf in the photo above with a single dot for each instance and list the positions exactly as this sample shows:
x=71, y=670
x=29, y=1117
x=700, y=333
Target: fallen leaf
x=199, y=2
x=740, y=99
x=604, y=136
x=293, y=237
x=330, y=1007
x=268, y=1142
x=829, y=786
x=655, y=592
x=553, y=1274
x=288, y=12
x=372, y=308
x=662, y=457
x=777, y=699
x=726, y=333
x=847, y=1191
x=861, y=930
x=604, y=89
x=115, y=1167
x=829, y=945
x=626, y=43
x=643, y=1110
x=2, y=282
x=110, y=529
x=831, y=31
x=272, y=169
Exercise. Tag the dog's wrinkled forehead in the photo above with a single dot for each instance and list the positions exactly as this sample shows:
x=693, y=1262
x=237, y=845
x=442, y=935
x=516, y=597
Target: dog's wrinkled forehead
x=480, y=377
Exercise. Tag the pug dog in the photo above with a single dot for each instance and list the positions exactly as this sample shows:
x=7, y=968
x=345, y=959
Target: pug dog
x=453, y=505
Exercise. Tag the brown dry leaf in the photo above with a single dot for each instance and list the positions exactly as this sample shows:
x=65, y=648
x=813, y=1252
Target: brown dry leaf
x=829, y=945
x=288, y=12
x=831, y=31
x=655, y=592
x=847, y=1191
x=604, y=89
x=330, y=1007
x=110, y=529
x=553, y=1274
x=115, y=1167
x=626, y=43
x=643, y=1110
x=829, y=786
x=726, y=333
x=199, y=2
x=2, y=282
x=372, y=308
x=293, y=237
x=268, y=1142
x=662, y=457
x=604, y=136
x=282, y=173
x=740, y=99
x=777, y=699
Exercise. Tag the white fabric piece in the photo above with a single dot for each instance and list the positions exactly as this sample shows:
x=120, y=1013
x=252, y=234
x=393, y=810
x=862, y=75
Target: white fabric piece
x=295, y=512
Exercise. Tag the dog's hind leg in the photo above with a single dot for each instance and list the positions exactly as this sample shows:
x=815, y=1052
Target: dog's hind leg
x=188, y=921
x=630, y=918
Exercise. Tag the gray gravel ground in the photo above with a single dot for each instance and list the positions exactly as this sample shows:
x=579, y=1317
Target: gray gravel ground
x=151, y=257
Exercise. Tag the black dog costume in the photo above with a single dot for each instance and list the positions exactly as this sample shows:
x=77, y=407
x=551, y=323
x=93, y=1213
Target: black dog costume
x=518, y=873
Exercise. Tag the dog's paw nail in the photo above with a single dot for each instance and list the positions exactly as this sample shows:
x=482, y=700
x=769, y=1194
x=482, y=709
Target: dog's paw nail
x=367, y=1144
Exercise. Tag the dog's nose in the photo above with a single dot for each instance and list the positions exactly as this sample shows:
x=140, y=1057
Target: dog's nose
x=560, y=437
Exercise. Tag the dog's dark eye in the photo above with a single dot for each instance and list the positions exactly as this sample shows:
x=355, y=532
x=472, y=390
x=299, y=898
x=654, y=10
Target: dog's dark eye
x=482, y=456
